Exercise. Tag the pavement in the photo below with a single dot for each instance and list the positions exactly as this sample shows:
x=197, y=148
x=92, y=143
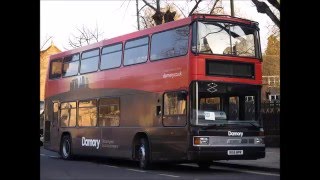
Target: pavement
x=270, y=163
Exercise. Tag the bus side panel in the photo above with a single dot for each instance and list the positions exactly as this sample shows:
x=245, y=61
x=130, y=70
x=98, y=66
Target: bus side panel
x=137, y=113
x=117, y=141
x=169, y=143
x=86, y=140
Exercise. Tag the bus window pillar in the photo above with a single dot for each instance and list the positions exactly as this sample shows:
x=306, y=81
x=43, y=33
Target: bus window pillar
x=242, y=106
x=197, y=102
x=225, y=105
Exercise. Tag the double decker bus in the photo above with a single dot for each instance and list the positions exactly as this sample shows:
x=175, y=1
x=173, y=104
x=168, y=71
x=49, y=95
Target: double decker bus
x=184, y=91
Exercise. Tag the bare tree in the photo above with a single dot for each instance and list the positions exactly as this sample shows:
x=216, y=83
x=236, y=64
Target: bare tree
x=85, y=36
x=262, y=7
x=146, y=19
x=195, y=7
x=155, y=15
x=170, y=14
x=45, y=42
x=275, y=3
x=217, y=9
x=160, y=17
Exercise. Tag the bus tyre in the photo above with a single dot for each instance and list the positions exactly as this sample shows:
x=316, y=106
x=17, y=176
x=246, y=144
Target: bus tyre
x=144, y=154
x=65, y=148
x=204, y=164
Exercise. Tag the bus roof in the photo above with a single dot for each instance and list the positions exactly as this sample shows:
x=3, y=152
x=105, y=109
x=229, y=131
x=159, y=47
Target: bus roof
x=151, y=30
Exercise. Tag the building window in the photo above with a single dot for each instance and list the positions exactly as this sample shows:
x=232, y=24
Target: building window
x=136, y=51
x=89, y=61
x=109, y=112
x=68, y=114
x=70, y=65
x=274, y=97
x=55, y=68
x=175, y=103
x=169, y=44
x=87, y=113
x=111, y=56
x=249, y=98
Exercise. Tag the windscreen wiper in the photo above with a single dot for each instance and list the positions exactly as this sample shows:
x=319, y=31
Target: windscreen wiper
x=253, y=124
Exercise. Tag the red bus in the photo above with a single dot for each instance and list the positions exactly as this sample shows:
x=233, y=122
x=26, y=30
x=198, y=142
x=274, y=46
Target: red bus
x=184, y=91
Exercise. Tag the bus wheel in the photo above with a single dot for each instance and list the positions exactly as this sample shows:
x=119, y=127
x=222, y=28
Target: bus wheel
x=65, y=148
x=144, y=154
x=204, y=164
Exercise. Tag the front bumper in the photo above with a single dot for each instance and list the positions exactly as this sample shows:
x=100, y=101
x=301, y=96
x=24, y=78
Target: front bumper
x=221, y=153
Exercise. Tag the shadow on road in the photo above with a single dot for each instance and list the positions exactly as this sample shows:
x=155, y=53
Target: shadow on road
x=186, y=168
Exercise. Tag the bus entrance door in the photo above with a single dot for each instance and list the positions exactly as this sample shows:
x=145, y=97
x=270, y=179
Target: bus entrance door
x=52, y=128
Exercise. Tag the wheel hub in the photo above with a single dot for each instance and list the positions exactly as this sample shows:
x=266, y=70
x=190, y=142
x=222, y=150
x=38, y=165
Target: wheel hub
x=66, y=149
x=142, y=154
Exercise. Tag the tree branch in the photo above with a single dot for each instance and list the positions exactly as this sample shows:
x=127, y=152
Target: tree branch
x=158, y=5
x=73, y=44
x=145, y=22
x=195, y=7
x=45, y=42
x=179, y=9
x=96, y=33
x=275, y=3
x=214, y=6
x=142, y=8
x=84, y=36
x=149, y=5
x=262, y=7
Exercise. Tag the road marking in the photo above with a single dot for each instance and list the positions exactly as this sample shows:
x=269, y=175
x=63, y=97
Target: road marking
x=136, y=170
x=238, y=170
x=192, y=165
x=247, y=171
x=112, y=166
x=168, y=175
x=272, y=152
x=49, y=156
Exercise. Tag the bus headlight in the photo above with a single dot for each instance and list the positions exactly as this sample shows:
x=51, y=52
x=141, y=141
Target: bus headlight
x=258, y=140
x=201, y=140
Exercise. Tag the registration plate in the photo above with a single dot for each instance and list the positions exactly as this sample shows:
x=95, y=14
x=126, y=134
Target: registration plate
x=235, y=152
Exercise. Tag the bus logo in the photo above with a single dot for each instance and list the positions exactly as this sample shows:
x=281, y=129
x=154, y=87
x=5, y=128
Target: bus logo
x=172, y=75
x=90, y=142
x=212, y=87
x=230, y=133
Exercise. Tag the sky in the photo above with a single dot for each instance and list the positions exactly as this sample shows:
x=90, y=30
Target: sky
x=61, y=18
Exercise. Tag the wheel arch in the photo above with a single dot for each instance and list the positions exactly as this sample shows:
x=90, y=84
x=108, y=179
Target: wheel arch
x=66, y=133
x=135, y=143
